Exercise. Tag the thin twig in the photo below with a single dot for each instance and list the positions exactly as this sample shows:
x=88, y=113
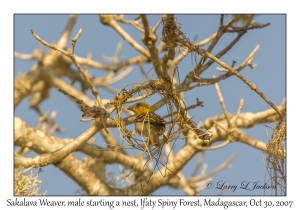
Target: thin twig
x=199, y=162
x=246, y=62
x=157, y=25
x=70, y=54
x=216, y=170
x=238, y=111
x=251, y=85
x=109, y=20
x=225, y=143
x=223, y=104
x=220, y=33
x=197, y=104
x=134, y=23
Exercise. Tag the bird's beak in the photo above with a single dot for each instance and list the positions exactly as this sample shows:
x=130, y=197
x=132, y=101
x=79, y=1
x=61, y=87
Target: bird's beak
x=131, y=108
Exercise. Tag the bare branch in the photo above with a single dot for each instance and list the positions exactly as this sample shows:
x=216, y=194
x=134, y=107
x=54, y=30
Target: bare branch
x=251, y=85
x=223, y=104
x=85, y=76
x=246, y=62
x=239, y=111
x=49, y=158
x=109, y=20
x=149, y=39
x=63, y=40
x=199, y=162
x=36, y=55
x=153, y=167
x=247, y=119
x=134, y=23
x=216, y=170
x=222, y=30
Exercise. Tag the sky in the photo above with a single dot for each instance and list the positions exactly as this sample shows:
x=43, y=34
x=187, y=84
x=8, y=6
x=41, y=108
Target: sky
x=269, y=76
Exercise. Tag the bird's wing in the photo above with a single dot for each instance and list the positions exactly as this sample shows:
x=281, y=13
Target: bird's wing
x=154, y=118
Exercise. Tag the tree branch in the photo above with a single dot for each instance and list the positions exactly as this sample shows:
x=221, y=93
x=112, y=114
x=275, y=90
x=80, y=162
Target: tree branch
x=22, y=130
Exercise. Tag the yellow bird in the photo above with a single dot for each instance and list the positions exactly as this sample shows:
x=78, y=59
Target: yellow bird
x=145, y=115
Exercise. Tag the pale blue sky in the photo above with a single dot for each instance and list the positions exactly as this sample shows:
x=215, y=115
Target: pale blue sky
x=269, y=76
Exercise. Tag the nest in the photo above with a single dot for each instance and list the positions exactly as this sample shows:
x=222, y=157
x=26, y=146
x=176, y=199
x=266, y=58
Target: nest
x=172, y=36
x=178, y=121
x=276, y=156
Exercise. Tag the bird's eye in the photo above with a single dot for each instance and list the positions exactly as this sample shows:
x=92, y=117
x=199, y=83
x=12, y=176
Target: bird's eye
x=138, y=105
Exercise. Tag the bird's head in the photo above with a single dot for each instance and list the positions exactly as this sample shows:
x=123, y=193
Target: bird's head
x=140, y=108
